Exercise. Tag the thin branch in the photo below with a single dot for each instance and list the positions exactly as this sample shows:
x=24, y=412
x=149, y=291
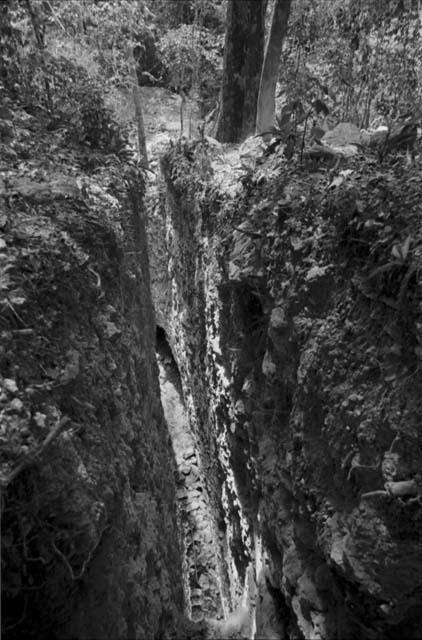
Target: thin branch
x=31, y=457
x=375, y=494
x=303, y=136
x=182, y=108
x=11, y=307
x=56, y=17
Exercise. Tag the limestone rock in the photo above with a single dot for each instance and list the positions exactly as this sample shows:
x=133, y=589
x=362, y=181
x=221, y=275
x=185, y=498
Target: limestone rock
x=278, y=319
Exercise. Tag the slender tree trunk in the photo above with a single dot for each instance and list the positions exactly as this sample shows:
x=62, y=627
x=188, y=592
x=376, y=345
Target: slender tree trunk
x=39, y=36
x=243, y=56
x=142, y=144
x=267, y=88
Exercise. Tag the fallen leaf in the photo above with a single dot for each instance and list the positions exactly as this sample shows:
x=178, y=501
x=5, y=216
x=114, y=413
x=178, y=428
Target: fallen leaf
x=337, y=182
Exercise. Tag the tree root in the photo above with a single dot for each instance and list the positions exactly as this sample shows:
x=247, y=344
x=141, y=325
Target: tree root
x=85, y=563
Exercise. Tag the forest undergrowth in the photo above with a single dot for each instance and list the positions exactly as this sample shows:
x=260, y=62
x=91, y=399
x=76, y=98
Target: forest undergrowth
x=68, y=160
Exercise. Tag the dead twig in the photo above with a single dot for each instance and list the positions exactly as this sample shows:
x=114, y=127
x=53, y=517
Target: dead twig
x=303, y=136
x=56, y=17
x=32, y=456
x=375, y=494
x=15, y=313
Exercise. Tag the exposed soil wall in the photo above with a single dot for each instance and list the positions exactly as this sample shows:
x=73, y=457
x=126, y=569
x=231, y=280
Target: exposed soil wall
x=90, y=544
x=297, y=337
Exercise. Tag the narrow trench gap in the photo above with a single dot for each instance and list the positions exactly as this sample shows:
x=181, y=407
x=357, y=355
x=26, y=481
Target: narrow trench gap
x=262, y=611
x=203, y=589
x=204, y=532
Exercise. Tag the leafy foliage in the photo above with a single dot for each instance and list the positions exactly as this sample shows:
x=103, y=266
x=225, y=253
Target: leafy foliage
x=171, y=15
x=192, y=59
x=364, y=58
x=72, y=99
x=111, y=29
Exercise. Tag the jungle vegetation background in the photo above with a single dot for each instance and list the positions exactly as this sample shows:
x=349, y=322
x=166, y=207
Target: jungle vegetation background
x=358, y=61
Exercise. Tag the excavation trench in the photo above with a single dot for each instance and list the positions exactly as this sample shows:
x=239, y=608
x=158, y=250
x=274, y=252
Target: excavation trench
x=203, y=588
x=206, y=579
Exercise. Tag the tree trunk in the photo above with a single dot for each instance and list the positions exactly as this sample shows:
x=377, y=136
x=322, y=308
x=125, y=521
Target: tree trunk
x=266, y=98
x=142, y=144
x=39, y=37
x=243, y=56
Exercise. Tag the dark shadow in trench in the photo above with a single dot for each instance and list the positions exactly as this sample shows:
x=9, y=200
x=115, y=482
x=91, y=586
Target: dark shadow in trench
x=166, y=357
